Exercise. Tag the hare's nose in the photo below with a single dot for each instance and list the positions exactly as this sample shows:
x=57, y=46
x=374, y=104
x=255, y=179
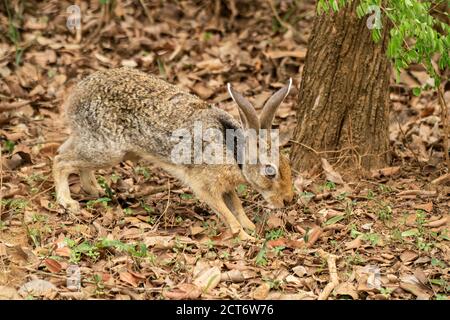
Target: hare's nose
x=288, y=199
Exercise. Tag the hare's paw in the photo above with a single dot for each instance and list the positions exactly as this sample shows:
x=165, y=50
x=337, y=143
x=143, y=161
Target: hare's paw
x=93, y=190
x=244, y=236
x=246, y=223
x=236, y=230
x=70, y=205
x=90, y=184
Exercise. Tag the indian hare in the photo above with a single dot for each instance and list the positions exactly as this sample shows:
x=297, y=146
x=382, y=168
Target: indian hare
x=123, y=113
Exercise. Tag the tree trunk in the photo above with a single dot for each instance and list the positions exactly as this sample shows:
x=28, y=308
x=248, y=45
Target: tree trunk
x=343, y=103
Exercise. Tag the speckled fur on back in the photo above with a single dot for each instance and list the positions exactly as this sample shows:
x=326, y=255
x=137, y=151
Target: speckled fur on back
x=129, y=106
x=121, y=114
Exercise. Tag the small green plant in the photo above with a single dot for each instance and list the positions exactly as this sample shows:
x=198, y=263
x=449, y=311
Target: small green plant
x=342, y=196
x=207, y=36
x=128, y=211
x=103, y=202
x=161, y=67
x=327, y=186
x=384, y=189
x=423, y=245
x=143, y=171
x=384, y=212
x=210, y=244
x=373, y=238
x=278, y=250
x=354, y=231
x=36, y=217
x=274, y=234
x=147, y=208
x=386, y=292
x=104, y=184
x=138, y=250
x=370, y=194
x=274, y=284
x=242, y=190
x=186, y=196
x=178, y=220
x=355, y=259
x=396, y=235
x=225, y=255
x=35, y=236
x=211, y=228
x=115, y=177
x=334, y=220
x=151, y=220
x=420, y=220
x=84, y=248
x=99, y=285
x=442, y=283
x=9, y=145
x=438, y=263
x=15, y=205
x=151, y=258
x=13, y=33
x=261, y=257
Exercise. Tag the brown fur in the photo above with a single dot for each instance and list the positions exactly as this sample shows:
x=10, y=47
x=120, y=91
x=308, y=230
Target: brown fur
x=126, y=114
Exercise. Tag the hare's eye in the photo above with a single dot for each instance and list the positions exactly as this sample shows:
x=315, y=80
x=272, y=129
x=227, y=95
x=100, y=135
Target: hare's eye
x=270, y=171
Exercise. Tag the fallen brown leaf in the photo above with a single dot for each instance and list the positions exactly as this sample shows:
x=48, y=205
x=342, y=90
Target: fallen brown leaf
x=129, y=278
x=330, y=173
x=183, y=292
x=52, y=265
x=261, y=292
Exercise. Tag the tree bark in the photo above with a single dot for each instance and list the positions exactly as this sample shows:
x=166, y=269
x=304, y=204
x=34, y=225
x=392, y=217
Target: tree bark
x=343, y=102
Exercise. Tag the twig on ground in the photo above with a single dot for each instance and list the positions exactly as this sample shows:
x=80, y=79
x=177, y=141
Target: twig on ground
x=442, y=179
x=147, y=13
x=277, y=16
x=314, y=235
x=334, y=279
x=417, y=193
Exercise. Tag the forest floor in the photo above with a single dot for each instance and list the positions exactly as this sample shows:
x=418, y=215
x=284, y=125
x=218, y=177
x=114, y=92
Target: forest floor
x=380, y=237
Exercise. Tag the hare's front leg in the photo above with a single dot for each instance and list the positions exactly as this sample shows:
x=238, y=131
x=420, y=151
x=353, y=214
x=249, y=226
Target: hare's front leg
x=219, y=206
x=234, y=203
x=89, y=182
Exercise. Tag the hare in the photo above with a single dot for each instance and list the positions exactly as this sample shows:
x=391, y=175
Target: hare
x=121, y=114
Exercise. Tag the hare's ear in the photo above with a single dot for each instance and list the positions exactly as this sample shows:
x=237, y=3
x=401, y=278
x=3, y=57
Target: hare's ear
x=247, y=113
x=270, y=107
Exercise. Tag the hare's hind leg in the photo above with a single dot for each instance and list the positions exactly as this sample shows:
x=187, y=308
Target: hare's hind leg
x=83, y=158
x=63, y=166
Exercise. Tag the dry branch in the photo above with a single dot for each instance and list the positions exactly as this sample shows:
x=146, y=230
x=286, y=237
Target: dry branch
x=334, y=279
